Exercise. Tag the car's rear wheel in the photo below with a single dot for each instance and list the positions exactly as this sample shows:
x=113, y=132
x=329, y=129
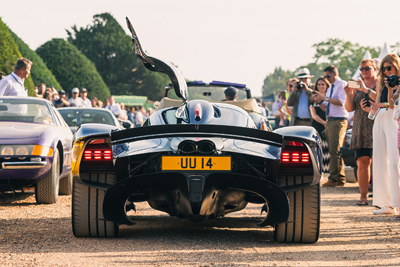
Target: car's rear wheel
x=87, y=212
x=46, y=190
x=66, y=185
x=304, y=217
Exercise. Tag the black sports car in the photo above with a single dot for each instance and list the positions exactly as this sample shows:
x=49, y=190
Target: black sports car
x=199, y=160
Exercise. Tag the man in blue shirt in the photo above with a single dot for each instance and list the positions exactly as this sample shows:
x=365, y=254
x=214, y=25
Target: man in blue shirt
x=300, y=99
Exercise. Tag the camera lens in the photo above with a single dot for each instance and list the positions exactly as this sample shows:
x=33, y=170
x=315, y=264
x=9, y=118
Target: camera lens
x=299, y=86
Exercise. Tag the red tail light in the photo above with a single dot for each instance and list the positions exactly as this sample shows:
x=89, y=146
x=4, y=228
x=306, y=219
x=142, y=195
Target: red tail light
x=295, y=157
x=285, y=157
x=294, y=143
x=98, y=155
x=88, y=154
x=295, y=152
x=107, y=154
x=305, y=157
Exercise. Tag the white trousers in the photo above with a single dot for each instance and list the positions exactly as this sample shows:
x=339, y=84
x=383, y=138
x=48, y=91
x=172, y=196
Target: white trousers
x=385, y=163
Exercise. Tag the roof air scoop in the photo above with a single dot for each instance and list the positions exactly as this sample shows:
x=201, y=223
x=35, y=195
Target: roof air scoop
x=154, y=64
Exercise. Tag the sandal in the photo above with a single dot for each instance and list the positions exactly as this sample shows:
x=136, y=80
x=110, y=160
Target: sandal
x=362, y=203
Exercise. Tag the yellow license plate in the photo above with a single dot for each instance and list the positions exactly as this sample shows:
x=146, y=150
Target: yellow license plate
x=173, y=163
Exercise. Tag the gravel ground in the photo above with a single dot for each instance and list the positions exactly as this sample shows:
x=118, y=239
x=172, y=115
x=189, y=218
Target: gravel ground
x=41, y=235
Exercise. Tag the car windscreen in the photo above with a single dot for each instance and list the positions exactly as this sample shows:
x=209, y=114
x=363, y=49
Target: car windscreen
x=212, y=93
x=25, y=110
x=74, y=117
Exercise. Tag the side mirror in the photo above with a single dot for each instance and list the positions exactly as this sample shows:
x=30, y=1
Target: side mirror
x=126, y=124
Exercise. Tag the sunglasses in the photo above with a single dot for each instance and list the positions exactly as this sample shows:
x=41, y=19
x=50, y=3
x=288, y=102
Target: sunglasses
x=365, y=68
x=327, y=76
x=388, y=68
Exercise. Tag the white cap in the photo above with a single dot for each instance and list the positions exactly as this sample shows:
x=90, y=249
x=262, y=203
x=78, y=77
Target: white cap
x=75, y=90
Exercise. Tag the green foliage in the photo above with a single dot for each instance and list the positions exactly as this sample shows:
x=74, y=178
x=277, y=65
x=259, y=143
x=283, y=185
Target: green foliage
x=72, y=68
x=39, y=71
x=107, y=45
x=344, y=55
x=276, y=81
x=9, y=54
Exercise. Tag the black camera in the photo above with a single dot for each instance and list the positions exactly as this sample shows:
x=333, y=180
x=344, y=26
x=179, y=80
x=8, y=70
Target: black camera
x=393, y=80
x=299, y=86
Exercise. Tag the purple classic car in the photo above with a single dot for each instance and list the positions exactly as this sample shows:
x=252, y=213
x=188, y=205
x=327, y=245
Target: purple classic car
x=35, y=148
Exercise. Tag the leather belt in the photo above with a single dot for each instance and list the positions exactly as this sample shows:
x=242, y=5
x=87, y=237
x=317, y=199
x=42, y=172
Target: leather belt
x=336, y=118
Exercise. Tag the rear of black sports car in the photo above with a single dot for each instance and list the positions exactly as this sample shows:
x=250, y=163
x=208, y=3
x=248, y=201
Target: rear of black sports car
x=198, y=172
x=198, y=160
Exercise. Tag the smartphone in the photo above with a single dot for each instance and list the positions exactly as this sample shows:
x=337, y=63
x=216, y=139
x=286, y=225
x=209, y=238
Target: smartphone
x=354, y=84
x=366, y=97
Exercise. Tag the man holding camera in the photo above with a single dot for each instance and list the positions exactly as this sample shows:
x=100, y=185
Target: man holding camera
x=336, y=124
x=299, y=98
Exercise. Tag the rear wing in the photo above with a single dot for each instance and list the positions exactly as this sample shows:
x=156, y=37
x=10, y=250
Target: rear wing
x=197, y=130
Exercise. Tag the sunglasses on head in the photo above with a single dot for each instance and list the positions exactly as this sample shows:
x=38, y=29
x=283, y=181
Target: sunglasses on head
x=365, y=68
x=388, y=68
x=327, y=76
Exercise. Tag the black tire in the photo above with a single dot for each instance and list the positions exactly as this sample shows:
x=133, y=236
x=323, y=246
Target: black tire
x=304, y=217
x=87, y=212
x=46, y=190
x=66, y=185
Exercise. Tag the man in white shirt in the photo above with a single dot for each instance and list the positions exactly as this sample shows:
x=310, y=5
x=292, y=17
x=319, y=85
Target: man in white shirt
x=75, y=100
x=13, y=84
x=114, y=107
x=336, y=124
x=85, y=101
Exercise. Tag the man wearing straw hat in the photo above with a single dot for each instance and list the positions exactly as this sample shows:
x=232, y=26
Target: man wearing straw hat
x=299, y=98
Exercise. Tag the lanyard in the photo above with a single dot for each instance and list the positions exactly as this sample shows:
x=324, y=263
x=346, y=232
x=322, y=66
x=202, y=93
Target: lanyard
x=17, y=81
x=23, y=87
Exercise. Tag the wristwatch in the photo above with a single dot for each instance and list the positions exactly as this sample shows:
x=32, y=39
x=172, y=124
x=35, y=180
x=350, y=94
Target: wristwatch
x=327, y=99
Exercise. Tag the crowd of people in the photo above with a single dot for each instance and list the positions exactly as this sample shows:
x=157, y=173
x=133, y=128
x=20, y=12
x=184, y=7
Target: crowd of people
x=369, y=104
x=324, y=105
x=13, y=85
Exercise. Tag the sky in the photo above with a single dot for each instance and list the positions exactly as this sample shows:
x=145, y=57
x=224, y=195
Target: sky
x=233, y=41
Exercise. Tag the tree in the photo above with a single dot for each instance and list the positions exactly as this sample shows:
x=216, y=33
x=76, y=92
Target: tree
x=343, y=54
x=39, y=71
x=9, y=54
x=71, y=68
x=107, y=45
x=276, y=81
